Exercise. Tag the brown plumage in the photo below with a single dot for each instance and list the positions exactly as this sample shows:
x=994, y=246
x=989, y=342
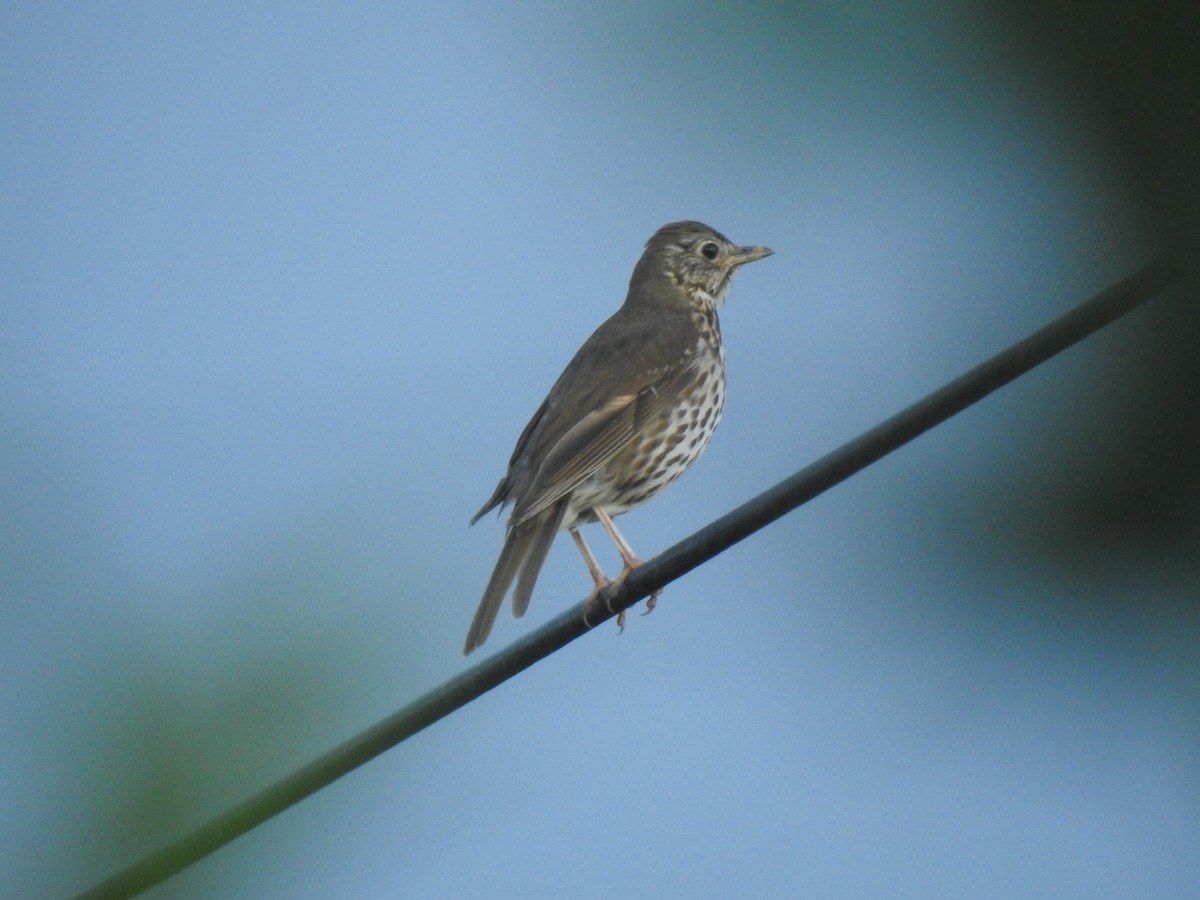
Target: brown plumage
x=629, y=414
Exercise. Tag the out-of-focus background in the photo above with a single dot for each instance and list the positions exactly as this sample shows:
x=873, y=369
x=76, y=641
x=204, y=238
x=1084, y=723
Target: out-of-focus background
x=282, y=285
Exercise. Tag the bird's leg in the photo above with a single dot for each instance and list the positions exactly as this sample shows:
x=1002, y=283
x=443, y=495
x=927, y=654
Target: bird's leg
x=593, y=567
x=601, y=580
x=628, y=558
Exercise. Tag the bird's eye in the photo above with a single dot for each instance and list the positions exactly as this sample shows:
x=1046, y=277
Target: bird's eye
x=710, y=250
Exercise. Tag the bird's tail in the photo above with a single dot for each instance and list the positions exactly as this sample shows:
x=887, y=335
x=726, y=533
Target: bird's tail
x=525, y=549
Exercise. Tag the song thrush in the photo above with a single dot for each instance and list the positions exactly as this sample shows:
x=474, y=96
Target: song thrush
x=628, y=415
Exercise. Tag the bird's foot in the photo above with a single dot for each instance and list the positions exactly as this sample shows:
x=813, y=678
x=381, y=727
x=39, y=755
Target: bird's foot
x=596, y=599
x=599, y=600
x=651, y=601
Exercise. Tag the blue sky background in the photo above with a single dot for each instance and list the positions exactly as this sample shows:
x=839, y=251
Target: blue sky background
x=281, y=288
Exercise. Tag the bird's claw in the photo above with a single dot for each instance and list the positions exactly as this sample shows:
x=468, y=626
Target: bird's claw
x=594, y=598
x=651, y=602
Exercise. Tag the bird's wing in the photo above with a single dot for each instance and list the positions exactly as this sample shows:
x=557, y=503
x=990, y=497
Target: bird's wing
x=599, y=436
x=500, y=496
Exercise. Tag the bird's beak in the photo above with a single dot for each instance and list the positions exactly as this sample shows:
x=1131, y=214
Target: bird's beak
x=745, y=255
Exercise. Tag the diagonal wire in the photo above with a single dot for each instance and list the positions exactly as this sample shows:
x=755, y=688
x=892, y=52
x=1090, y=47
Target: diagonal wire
x=669, y=565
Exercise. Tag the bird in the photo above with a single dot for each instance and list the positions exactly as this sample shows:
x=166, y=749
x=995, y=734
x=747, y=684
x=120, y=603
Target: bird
x=633, y=409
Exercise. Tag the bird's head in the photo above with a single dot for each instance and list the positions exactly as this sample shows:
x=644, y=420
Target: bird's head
x=696, y=258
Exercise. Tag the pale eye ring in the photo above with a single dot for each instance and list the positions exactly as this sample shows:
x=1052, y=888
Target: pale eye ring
x=710, y=250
